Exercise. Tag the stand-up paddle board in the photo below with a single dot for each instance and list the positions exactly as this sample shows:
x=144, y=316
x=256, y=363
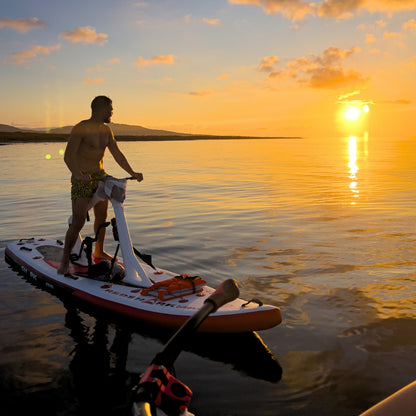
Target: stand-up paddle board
x=129, y=286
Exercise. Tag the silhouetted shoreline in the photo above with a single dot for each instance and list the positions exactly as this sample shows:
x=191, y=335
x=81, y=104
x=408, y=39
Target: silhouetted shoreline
x=30, y=137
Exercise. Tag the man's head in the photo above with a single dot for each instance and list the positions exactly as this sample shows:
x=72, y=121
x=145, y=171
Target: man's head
x=102, y=108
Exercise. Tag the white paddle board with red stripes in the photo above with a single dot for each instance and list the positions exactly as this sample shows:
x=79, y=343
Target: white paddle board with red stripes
x=167, y=303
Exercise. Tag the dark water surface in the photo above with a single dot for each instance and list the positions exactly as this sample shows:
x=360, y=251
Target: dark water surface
x=324, y=229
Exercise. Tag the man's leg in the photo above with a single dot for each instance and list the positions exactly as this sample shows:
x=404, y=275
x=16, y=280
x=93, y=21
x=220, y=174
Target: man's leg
x=100, y=214
x=79, y=214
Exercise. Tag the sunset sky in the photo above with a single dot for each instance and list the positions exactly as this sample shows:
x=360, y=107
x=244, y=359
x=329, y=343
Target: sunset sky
x=226, y=67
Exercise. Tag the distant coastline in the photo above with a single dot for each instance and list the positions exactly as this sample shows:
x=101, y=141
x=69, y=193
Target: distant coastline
x=35, y=137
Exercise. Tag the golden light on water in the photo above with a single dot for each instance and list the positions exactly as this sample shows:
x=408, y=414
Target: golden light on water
x=352, y=152
x=353, y=167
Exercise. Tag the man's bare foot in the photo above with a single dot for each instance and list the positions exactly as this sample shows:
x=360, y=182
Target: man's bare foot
x=63, y=268
x=102, y=256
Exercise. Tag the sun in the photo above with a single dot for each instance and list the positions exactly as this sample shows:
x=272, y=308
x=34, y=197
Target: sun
x=352, y=113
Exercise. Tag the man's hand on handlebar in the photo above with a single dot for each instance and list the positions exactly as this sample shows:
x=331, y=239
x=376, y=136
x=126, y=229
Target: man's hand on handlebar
x=138, y=176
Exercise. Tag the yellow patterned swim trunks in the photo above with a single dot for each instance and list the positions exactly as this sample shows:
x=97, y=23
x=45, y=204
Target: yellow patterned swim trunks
x=80, y=189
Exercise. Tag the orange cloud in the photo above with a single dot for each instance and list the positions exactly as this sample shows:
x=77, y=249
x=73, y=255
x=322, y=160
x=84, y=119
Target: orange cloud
x=345, y=97
x=394, y=102
x=84, y=35
x=334, y=77
x=99, y=80
x=386, y=5
x=200, y=93
x=267, y=63
x=339, y=9
x=22, y=25
x=321, y=71
x=294, y=10
x=410, y=25
x=213, y=22
x=297, y=10
x=21, y=57
x=193, y=93
x=392, y=35
x=223, y=77
x=370, y=38
x=158, y=59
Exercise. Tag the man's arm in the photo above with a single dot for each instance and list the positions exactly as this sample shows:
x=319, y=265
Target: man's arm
x=121, y=159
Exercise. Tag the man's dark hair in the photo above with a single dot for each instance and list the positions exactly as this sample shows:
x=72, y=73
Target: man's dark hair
x=100, y=102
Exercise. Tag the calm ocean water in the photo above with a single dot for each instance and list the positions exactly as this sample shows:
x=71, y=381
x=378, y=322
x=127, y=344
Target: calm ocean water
x=325, y=229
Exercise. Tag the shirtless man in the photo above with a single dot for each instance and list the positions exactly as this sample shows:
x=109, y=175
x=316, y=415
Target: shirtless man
x=84, y=156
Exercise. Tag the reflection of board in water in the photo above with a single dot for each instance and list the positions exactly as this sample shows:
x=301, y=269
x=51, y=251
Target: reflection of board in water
x=101, y=352
x=246, y=352
x=98, y=366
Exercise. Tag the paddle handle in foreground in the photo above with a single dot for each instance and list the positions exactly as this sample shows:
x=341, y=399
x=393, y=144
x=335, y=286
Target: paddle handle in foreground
x=144, y=400
x=226, y=292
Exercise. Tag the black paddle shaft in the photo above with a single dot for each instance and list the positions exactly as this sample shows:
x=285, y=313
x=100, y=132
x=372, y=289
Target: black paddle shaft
x=226, y=292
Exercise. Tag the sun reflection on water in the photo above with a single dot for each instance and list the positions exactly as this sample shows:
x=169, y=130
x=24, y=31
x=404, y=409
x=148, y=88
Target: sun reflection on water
x=353, y=167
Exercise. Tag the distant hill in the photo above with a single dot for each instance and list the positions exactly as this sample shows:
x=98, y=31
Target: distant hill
x=118, y=130
x=9, y=129
x=125, y=130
